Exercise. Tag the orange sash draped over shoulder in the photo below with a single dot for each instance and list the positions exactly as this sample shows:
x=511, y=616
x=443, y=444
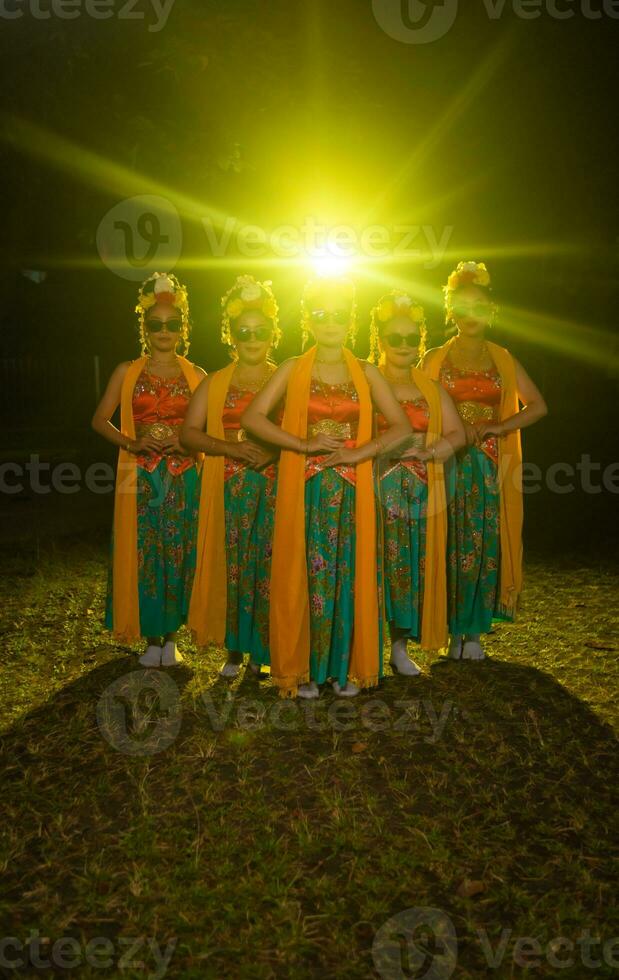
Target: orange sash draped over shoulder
x=209, y=595
x=125, y=604
x=289, y=612
x=434, y=613
x=509, y=472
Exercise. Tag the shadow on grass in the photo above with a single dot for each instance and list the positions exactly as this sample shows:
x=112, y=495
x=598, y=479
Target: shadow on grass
x=266, y=838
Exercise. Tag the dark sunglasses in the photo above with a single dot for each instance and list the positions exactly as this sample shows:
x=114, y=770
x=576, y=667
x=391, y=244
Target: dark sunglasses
x=341, y=317
x=479, y=310
x=155, y=326
x=397, y=339
x=251, y=333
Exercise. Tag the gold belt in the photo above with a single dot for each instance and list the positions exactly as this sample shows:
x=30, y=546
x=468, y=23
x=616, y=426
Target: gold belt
x=158, y=430
x=474, y=411
x=235, y=435
x=329, y=427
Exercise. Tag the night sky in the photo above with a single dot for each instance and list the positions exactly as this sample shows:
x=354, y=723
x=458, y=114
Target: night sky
x=499, y=135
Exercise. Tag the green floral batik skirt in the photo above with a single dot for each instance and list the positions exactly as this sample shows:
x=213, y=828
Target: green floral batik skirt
x=473, y=542
x=330, y=544
x=249, y=501
x=404, y=505
x=167, y=514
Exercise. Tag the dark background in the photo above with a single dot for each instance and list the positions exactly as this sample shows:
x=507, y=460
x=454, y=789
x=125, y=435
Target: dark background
x=504, y=129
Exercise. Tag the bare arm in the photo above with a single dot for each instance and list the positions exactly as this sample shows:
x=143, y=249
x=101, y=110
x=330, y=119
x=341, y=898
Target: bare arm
x=194, y=436
x=256, y=417
x=105, y=409
x=535, y=408
x=392, y=438
x=452, y=439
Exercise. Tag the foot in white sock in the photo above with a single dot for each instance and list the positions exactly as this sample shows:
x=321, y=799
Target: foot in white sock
x=455, y=647
x=308, y=691
x=348, y=691
x=400, y=661
x=170, y=656
x=472, y=649
x=151, y=657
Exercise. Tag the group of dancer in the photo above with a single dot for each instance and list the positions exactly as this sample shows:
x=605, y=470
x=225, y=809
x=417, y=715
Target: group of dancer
x=288, y=513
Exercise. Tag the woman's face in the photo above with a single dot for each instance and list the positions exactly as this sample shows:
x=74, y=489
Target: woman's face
x=471, y=311
x=330, y=317
x=163, y=324
x=252, y=335
x=399, y=340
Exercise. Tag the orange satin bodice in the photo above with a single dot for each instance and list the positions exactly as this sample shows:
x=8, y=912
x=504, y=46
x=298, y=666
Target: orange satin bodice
x=475, y=388
x=237, y=400
x=418, y=414
x=165, y=400
x=337, y=403
x=483, y=387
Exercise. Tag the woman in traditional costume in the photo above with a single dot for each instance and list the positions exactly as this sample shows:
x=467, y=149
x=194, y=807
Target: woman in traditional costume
x=325, y=616
x=155, y=504
x=487, y=385
x=230, y=598
x=412, y=483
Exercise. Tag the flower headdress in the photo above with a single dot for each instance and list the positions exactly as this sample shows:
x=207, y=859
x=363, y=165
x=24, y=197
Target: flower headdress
x=466, y=274
x=249, y=294
x=314, y=288
x=395, y=303
x=165, y=288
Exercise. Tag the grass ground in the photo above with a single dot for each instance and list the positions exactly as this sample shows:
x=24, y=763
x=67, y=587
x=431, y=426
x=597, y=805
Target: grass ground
x=261, y=838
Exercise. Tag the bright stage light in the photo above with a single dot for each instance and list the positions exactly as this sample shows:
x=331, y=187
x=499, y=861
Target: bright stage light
x=329, y=262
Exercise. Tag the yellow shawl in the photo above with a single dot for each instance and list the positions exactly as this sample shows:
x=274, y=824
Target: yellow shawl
x=208, y=604
x=434, y=613
x=509, y=472
x=289, y=613
x=125, y=605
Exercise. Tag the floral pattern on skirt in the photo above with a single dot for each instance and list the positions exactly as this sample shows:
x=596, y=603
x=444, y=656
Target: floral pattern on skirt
x=249, y=501
x=330, y=544
x=473, y=542
x=404, y=506
x=167, y=514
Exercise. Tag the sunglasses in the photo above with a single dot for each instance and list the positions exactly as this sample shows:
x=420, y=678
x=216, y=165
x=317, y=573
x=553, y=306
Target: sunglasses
x=156, y=326
x=397, y=339
x=341, y=317
x=479, y=310
x=252, y=333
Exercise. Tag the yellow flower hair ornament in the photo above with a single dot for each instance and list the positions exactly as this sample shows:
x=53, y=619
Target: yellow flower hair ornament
x=248, y=293
x=395, y=303
x=465, y=273
x=162, y=287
